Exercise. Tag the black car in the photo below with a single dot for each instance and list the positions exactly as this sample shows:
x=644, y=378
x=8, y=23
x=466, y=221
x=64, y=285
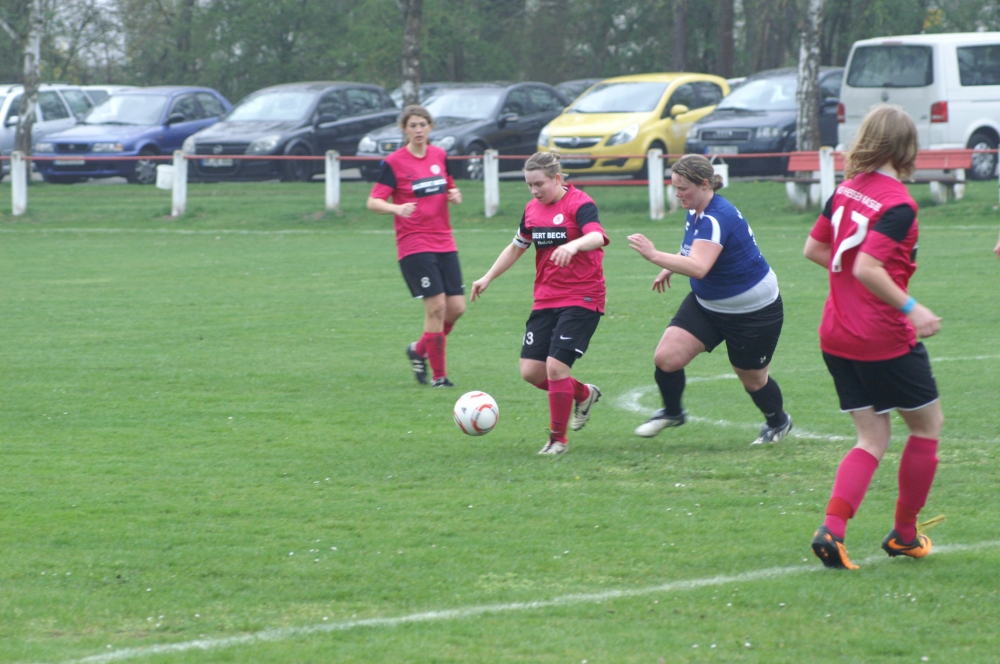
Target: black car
x=291, y=119
x=759, y=117
x=474, y=117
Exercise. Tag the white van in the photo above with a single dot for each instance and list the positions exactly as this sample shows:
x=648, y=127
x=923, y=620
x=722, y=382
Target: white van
x=948, y=83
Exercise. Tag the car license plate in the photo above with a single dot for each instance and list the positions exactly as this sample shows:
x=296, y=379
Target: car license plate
x=69, y=162
x=722, y=149
x=216, y=163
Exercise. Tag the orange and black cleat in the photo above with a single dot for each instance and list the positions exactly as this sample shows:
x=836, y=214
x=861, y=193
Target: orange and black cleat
x=831, y=550
x=918, y=548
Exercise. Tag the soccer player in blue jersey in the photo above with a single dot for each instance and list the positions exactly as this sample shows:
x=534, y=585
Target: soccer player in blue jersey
x=734, y=299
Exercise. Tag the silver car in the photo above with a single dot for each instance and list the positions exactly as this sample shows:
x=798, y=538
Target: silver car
x=59, y=107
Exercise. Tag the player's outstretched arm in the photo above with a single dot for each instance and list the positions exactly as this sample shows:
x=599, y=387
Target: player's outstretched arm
x=871, y=272
x=818, y=252
x=697, y=265
x=381, y=206
x=504, y=261
x=564, y=254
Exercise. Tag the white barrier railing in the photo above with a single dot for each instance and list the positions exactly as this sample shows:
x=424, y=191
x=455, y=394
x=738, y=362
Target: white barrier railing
x=180, y=190
x=654, y=171
x=18, y=183
x=491, y=182
x=331, y=173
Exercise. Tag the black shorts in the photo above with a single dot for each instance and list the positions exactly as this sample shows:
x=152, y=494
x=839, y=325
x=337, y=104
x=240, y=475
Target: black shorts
x=562, y=333
x=902, y=383
x=750, y=338
x=429, y=274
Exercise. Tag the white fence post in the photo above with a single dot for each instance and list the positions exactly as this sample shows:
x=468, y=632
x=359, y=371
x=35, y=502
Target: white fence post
x=827, y=175
x=180, y=184
x=491, y=182
x=18, y=183
x=654, y=170
x=332, y=180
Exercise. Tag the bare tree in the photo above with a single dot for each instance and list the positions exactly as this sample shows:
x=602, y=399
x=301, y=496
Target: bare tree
x=724, y=66
x=413, y=11
x=680, y=35
x=807, y=95
x=32, y=45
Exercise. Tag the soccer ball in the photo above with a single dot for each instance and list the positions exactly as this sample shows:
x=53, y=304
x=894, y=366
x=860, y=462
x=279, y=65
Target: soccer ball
x=476, y=413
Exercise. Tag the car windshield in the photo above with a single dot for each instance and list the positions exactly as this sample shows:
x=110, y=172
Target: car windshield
x=763, y=94
x=274, y=107
x=620, y=98
x=472, y=104
x=128, y=109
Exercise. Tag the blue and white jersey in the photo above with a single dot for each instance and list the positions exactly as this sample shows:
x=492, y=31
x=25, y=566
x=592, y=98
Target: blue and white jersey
x=740, y=266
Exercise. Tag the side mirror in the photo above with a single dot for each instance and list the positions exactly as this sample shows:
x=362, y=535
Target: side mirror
x=508, y=118
x=11, y=121
x=678, y=109
x=174, y=118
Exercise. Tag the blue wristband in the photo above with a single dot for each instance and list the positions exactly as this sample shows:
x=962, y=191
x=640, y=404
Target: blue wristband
x=908, y=307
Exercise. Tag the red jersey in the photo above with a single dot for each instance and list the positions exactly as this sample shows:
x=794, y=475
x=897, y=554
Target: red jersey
x=424, y=181
x=581, y=283
x=875, y=214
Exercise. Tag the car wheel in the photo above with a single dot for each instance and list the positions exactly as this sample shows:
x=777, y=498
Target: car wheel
x=297, y=170
x=474, y=165
x=144, y=171
x=643, y=174
x=984, y=164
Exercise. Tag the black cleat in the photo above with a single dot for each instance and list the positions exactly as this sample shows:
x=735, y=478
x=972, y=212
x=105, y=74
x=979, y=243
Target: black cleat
x=830, y=549
x=918, y=548
x=442, y=382
x=419, y=364
x=769, y=434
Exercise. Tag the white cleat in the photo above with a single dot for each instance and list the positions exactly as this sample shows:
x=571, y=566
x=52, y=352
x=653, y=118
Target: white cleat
x=582, y=412
x=660, y=421
x=553, y=447
x=774, y=434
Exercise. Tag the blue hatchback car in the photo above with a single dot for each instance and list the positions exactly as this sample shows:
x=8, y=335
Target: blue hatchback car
x=145, y=121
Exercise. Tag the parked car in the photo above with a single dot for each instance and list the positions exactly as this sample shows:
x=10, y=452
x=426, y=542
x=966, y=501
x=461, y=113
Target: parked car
x=474, y=117
x=630, y=115
x=759, y=117
x=142, y=122
x=59, y=107
x=291, y=119
x=573, y=89
x=426, y=91
x=948, y=83
x=98, y=93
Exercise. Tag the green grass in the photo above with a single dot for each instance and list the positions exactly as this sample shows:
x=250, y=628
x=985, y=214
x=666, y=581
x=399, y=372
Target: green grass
x=186, y=403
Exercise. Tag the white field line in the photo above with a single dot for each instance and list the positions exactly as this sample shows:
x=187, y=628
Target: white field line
x=631, y=401
x=286, y=633
x=970, y=358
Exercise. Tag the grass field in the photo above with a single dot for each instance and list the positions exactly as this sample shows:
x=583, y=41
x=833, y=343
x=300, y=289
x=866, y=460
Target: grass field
x=212, y=450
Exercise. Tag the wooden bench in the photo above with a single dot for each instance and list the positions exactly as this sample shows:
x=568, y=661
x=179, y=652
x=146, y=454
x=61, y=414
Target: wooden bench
x=803, y=190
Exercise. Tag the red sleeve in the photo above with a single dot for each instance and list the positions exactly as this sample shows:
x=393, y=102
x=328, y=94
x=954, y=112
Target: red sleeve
x=382, y=191
x=822, y=231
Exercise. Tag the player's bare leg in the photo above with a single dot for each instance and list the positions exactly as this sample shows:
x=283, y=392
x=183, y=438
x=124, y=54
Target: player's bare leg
x=675, y=351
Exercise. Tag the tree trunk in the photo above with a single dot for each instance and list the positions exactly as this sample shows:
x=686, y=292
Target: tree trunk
x=413, y=11
x=807, y=95
x=680, y=35
x=725, y=25
x=32, y=78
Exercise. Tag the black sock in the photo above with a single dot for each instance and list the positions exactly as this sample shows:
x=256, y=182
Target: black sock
x=671, y=386
x=768, y=399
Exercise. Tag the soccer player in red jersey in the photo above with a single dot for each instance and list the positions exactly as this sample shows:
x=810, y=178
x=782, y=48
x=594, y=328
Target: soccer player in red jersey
x=867, y=238
x=417, y=179
x=562, y=223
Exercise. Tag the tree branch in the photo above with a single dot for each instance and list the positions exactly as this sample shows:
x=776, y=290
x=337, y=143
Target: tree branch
x=10, y=31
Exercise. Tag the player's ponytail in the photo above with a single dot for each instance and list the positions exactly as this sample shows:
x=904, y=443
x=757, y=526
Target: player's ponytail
x=547, y=162
x=697, y=170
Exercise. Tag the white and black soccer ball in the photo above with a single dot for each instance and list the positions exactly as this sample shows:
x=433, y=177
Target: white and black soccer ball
x=476, y=413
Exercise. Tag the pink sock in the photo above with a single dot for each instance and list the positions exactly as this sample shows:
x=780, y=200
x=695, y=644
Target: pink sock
x=421, y=346
x=434, y=341
x=916, y=474
x=580, y=391
x=849, y=488
x=560, y=407
x=544, y=385
x=448, y=327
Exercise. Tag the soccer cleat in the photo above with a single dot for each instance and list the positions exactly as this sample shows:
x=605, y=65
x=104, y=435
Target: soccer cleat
x=442, y=382
x=918, y=548
x=419, y=363
x=553, y=447
x=769, y=434
x=660, y=421
x=582, y=412
x=830, y=549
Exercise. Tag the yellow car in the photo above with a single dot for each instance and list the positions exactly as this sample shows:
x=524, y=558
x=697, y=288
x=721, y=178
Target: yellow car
x=630, y=115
